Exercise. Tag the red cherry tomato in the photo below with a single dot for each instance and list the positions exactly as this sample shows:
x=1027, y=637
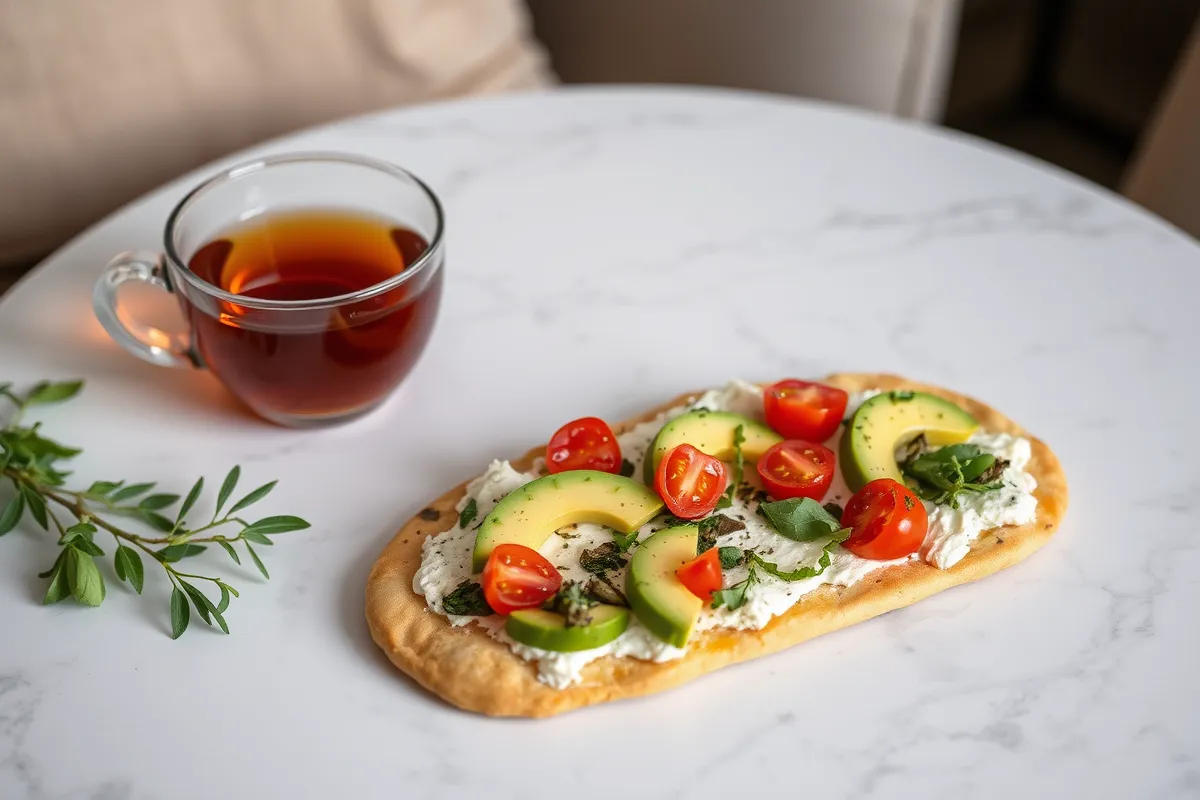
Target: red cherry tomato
x=702, y=575
x=586, y=443
x=794, y=468
x=803, y=410
x=888, y=521
x=517, y=577
x=690, y=482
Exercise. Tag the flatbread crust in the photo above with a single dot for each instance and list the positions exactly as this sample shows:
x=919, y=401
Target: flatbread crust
x=468, y=668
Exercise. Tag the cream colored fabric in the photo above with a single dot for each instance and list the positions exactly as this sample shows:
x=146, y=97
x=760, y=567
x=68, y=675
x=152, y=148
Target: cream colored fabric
x=102, y=100
x=1164, y=175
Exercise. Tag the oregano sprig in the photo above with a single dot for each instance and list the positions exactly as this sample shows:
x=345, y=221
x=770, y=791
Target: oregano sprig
x=29, y=462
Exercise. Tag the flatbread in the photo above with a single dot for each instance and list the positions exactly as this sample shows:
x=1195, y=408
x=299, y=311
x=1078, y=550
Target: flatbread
x=468, y=668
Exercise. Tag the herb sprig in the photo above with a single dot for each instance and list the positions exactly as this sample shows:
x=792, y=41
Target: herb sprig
x=941, y=476
x=31, y=461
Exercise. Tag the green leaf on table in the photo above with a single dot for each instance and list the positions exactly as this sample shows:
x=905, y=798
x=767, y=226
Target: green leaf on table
x=253, y=497
x=229, y=549
x=78, y=531
x=156, y=501
x=36, y=505
x=189, y=501
x=84, y=578
x=201, y=602
x=224, y=604
x=277, y=524
x=258, y=561
x=131, y=491
x=800, y=519
x=256, y=537
x=12, y=512
x=128, y=566
x=175, y=552
x=47, y=392
x=227, y=487
x=180, y=615
x=88, y=546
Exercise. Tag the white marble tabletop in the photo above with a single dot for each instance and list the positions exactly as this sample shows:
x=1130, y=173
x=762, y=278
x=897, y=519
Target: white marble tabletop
x=589, y=231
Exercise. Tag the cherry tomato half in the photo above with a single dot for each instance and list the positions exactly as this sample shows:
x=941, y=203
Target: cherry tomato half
x=517, y=577
x=702, y=575
x=586, y=443
x=888, y=520
x=690, y=482
x=795, y=468
x=803, y=410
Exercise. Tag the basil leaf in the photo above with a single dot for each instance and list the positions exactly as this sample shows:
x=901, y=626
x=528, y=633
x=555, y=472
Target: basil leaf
x=467, y=600
x=800, y=519
x=625, y=540
x=801, y=573
x=940, y=476
x=734, y=597
x=468, y=513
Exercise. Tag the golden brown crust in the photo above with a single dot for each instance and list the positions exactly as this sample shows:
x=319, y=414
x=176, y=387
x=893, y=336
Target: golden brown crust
x=473, y=671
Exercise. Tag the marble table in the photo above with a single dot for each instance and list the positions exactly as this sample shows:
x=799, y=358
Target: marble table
x=592, y=233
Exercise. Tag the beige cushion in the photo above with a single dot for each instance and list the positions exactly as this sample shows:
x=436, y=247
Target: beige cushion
x=102, y=100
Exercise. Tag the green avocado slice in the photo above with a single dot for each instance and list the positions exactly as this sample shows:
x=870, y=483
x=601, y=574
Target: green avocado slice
x=889, y=420
x=529, y=514
x=659, y=600
x=548, y=630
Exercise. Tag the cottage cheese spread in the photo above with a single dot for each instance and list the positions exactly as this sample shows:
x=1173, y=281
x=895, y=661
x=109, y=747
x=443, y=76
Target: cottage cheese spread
x=446, y=558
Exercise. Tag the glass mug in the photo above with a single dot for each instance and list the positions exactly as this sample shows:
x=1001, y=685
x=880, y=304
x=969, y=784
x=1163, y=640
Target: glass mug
x=310, y=284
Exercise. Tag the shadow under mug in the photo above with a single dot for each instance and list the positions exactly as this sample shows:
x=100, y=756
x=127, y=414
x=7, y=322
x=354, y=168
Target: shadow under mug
x=299, y=363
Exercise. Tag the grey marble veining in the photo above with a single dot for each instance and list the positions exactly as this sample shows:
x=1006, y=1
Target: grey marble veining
x=586, y=229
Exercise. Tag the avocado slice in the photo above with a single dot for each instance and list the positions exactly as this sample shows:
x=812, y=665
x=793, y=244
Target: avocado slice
x=548, y=630
x=529, y=515
x=886, y=421
x=659, y=600
x=709, y=432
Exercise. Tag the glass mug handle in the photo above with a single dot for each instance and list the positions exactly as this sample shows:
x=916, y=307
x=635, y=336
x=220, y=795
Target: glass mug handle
x=144, y=341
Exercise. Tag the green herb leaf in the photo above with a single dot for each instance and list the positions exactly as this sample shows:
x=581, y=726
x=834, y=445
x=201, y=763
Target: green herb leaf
x=468, y=513
x=466, y=600
x=175, y=552
x=941, y=476
x=227, y=487
x=800, y=519
x=802, y=573
x=59, y=587
x=252, y=498
x=627, y=468
x=734, y=597
x=82, y=530
x=713, y=527
x=87, y=546
x=204, y=606
x=46, y=392
x=730, y=556
x=156, y=501
x=189, y=501
x=224, y=604
x=12, y=512
x=36, y=506
x=229, y=549
x=573, y=602
x=257, y=561
x=128, y=565
x=131, y=491
x=625, y=540
x=256, y=537
x=84, y=578
x=278, y=524
x=180, y=614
